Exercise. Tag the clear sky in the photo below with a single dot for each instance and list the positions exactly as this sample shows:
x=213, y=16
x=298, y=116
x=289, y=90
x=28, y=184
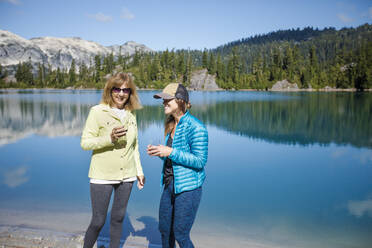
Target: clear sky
x=161, y=24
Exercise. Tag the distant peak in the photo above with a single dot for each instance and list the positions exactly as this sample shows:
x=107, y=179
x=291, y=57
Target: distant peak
x=131, y=43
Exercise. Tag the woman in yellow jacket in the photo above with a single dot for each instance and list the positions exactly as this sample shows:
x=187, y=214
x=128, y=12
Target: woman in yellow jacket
x=111, y=132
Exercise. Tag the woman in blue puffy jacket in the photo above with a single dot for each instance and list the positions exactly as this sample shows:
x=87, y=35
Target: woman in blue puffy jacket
x=184, y=157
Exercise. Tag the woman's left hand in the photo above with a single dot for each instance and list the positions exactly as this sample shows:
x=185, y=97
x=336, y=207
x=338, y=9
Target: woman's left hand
x=160, y=150
x=141, y=182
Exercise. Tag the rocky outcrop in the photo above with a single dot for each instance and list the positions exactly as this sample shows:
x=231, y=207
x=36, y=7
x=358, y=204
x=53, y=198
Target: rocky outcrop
x=201, y=80
x=58, y=52
x=284, y=85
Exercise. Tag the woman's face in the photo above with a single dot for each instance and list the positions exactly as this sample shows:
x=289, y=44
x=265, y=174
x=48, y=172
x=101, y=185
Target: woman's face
x=170, y=106
x=120, y=95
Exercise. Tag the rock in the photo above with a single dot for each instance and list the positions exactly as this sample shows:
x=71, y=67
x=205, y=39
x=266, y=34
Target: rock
x=10, y=79
x=328, y=88
x=284, y=85
x=201, y=80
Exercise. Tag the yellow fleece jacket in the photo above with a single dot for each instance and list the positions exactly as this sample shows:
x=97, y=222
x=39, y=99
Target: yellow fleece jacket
x=111, y=161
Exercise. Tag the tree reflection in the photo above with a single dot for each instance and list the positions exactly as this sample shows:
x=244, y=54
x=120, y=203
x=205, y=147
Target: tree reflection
x=323, y=118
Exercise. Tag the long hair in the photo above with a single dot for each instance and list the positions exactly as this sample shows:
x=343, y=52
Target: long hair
x=133, y=102
x=170, y=122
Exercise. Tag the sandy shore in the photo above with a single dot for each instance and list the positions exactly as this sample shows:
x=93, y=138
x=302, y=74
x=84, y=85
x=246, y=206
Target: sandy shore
x=26, y=237
x=41, y=229
x=22, y=237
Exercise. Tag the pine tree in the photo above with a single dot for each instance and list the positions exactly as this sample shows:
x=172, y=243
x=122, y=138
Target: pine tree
x=60, y=79
x=3, y=75
x=136, y=58
x=165, y=59
x=189, y=68
x=83, y=72
x=40, y=75
x=220, y=68
x=288, y=63
x=120, y=57
x=212, y=67
x=72, y=73
x=205, y=59
x=24, y=73
x=181, y=67
x=97, y=66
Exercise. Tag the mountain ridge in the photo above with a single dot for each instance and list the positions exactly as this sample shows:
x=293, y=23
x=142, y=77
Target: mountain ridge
x=56, y=51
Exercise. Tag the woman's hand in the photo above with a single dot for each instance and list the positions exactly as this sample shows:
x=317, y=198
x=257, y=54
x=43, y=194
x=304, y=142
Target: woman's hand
x=117, y=132
x=141, y=182
x=160, y=150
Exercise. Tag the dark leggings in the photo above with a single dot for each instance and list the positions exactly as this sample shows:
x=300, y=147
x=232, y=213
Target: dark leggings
x=100, y=195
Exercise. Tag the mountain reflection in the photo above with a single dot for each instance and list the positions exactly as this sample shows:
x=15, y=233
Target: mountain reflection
x=341, y=118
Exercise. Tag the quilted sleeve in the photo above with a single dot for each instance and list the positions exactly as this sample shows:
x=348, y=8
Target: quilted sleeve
x=198, y=155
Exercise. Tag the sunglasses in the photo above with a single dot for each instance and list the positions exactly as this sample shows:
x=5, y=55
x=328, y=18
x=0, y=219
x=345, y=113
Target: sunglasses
x=125, y=90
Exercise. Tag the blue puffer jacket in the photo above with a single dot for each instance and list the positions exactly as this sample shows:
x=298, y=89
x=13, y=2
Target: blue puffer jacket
x=190, y=153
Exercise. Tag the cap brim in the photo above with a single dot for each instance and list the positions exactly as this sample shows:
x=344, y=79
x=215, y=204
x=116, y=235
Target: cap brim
x=163, y=96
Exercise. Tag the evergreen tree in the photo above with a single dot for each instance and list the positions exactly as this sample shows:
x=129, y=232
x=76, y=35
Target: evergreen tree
x=205, y=59
x=3, y=75
x=97, y=72
x=83, y=72
x=72, y=73
x=40, y=75
x=60, y=80
x=24, y=73
x=212, y=66
x=120, y=57
x=181, y=66
x=136, y=58
x=165, y=59
x=189, y=68
x=220, y=68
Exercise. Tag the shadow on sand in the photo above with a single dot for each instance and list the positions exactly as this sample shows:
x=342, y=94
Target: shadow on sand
x=149, y=231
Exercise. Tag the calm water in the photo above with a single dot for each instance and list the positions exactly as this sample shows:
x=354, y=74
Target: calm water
x=284, y=169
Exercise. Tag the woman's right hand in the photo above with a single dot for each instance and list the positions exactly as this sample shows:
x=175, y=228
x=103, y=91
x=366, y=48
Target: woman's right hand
x=160, y=150
x=117, y=132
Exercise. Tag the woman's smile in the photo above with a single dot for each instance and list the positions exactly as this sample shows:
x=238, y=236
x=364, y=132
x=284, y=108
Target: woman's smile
x=120, y=97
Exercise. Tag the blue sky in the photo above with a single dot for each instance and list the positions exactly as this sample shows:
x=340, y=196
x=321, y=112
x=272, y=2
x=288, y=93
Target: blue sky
x=161, y=24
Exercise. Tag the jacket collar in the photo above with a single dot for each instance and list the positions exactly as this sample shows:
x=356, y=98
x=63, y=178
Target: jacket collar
x=107, y=108
x=184, y=117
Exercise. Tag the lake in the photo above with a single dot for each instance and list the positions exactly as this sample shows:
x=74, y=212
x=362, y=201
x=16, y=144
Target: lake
x=284, y=169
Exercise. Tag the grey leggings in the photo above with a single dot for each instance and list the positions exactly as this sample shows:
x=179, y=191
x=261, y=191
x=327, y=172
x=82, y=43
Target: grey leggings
x=100, y=195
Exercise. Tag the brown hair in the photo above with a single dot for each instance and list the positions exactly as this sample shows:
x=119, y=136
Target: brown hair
x=170, y=121
x=117, y=80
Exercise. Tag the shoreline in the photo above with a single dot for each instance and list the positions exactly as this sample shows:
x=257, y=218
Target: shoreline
x=212, y=90
x=25, y=237
x=42, y=228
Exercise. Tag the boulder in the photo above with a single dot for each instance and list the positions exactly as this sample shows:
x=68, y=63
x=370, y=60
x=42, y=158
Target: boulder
x=284, y=85
x=201, y=80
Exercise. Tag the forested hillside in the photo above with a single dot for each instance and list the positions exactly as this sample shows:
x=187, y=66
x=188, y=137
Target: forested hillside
x=310, y=57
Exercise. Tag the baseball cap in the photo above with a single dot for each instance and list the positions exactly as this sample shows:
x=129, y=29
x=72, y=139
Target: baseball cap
x=173, y=90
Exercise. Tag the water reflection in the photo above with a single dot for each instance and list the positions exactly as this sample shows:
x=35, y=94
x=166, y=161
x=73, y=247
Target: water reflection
x=15, y=177
x=289, y=195
x=341, y=118
x=360, y=208
x=20, y=118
